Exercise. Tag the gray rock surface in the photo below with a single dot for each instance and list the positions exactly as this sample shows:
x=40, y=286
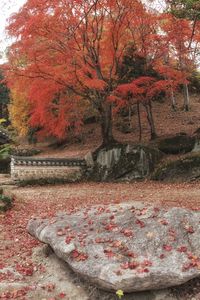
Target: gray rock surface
x=130, y=246
x=124, y=162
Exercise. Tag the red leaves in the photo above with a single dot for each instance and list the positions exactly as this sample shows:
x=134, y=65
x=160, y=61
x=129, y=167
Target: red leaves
x=167, y=247
x=111, y=227
x=189, y=228
x=182, y=249
x=68, y=239
x=16, y=294
x=194, y=262
x=143, y=270
x=135, y=265
x=131, y=254
x=26, y=270
x=127, y=232
x=61, y=295
x=140, y=223
x=146, y=263
x=109, y=253
x=116, y=244
x=90, y=222
x=79, y=256
x=99, y=240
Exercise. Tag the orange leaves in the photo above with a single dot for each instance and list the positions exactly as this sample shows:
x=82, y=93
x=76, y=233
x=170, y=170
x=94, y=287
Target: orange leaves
x=95, y=84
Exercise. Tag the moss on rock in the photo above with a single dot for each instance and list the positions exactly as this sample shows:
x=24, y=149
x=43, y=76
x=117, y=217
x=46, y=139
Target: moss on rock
x=180, y=143
x=181, y=170
x=124, y=162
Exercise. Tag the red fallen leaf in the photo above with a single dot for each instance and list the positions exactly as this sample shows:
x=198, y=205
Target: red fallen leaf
x=116, y=244
x=90, y=222
x=62, y=295
x=192, y=256
x=146, y=263
x=162, y=256
x=142, y=270
x=140, y=223
x=68, y=239
x=75, y=253
x=182, y=249
x=2, y=266
x=112, y=217
x=189, y=229
x=131, y=254
x=164, y=222
x=144, y=210
x=109, y=253
x=127, y=232
x=156, y=209
x=79, y=256
x=99, y=240
x=101, y=209
x=125, y=265
x=188, y=265
x=167, y=247
x=111, y=226
x=82, y=257
x=25, y=270
x=133, y=265
x=146, y=270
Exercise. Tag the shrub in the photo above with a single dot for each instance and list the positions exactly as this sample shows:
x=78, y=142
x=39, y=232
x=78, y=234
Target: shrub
x=5, y=203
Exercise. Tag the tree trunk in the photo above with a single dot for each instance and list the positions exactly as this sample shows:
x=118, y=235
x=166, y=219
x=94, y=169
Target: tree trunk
x=129, y=117
x=173, y=100
x=139, y=121
x=186, y=104
x=151, y=120
x=106, y=125
x=1, y=111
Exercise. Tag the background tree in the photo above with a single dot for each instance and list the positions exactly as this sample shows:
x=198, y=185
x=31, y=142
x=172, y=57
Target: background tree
x=72, y=52
x=4, y=97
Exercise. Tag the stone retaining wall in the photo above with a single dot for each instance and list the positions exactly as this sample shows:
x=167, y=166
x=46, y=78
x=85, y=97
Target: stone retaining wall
x=28, y=168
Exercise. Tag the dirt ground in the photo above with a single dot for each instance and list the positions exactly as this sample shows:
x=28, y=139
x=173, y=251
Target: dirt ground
x=25, y=276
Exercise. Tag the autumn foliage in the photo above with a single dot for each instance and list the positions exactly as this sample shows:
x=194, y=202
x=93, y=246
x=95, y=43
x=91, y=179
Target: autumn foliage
x=69, y=53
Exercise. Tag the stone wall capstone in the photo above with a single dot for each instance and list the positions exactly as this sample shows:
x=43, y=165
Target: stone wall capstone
x=29, y=168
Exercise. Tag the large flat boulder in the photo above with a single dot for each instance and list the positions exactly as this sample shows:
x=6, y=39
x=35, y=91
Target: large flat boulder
x=127, y=246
